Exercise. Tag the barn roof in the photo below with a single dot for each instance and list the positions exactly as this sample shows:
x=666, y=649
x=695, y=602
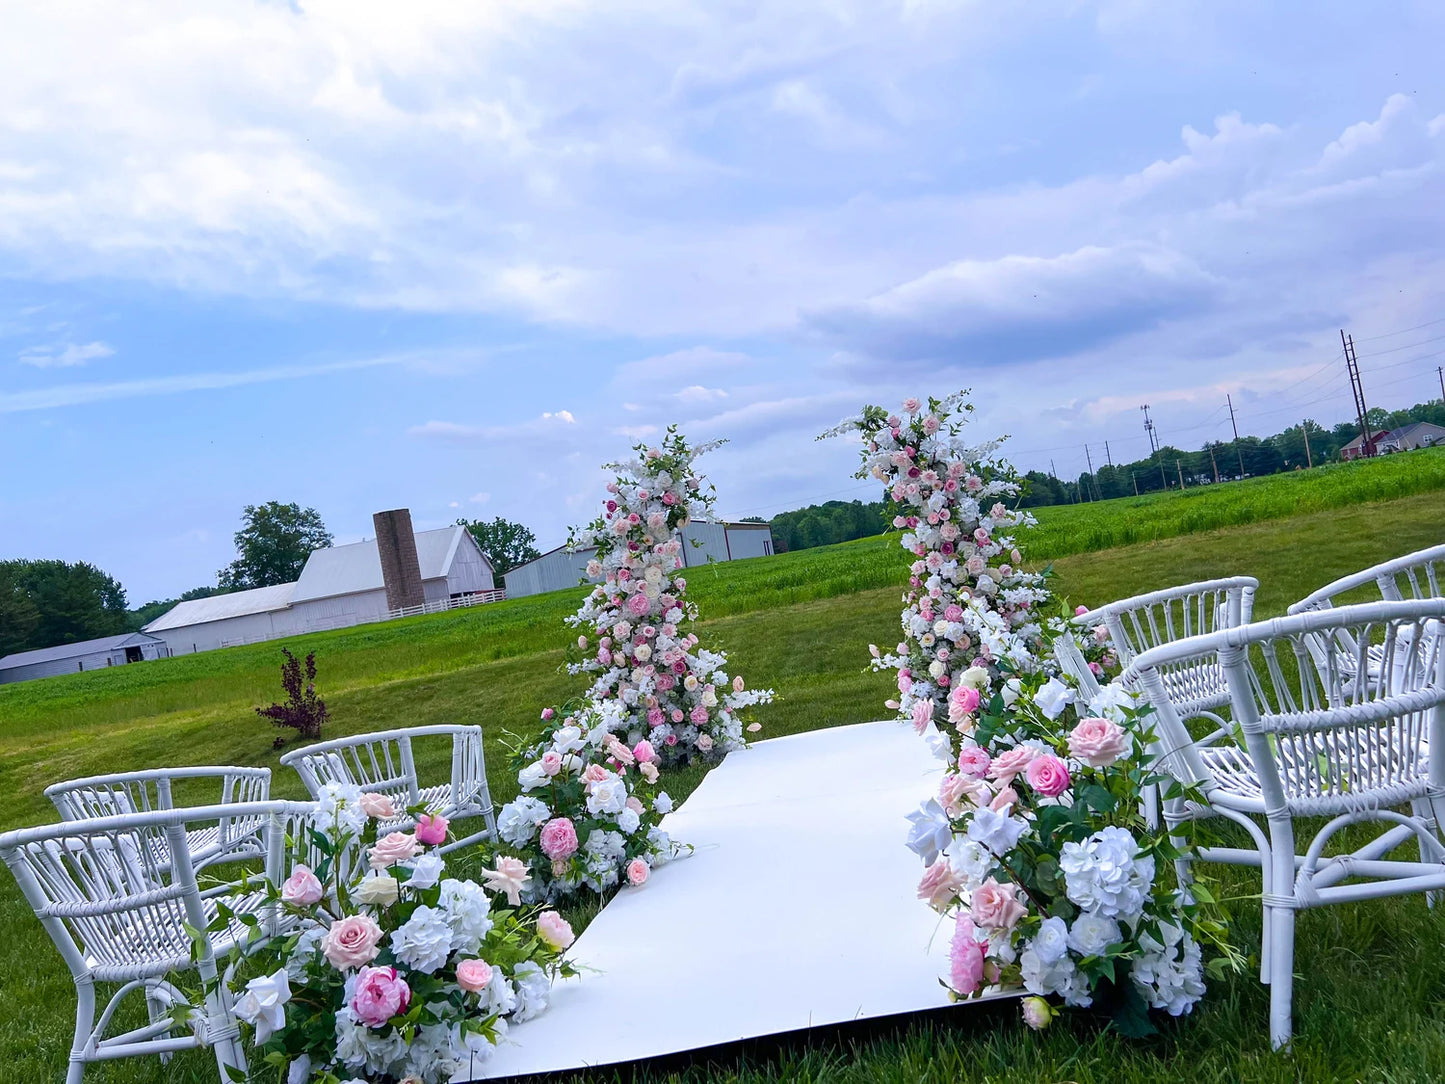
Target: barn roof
x=198, y=611
x=75, y=650
x=345, y=570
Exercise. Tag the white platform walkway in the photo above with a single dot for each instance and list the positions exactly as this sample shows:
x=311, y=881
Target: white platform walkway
x=797, y=910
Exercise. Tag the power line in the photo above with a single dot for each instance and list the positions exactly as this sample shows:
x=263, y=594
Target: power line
x=1401, y=331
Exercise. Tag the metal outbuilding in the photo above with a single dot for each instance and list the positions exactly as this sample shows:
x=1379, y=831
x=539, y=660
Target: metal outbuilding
x=78, y=657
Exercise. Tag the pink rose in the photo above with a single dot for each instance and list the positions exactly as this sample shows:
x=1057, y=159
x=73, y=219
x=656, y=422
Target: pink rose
x=922, y=715
x=1048, y=775
x=547, y=713
x=553, y=929
x=380, y=994
x=952, y=790
x=698, y=714
x=649, y=771
x=559, y=839
x=552, y=762
x=677, y=715
x=301, y=888
x=637, y=872
x=595, y=773
x=379, y=806
x=431, y=829
x=1080, y=611
x=634, y=803
x=996, y=906
x=965, y=957
x=389, y=850
x=1003, y=799
x=974, y=761
x=351, y=941
x=644, y=752
x=1007, y=765
x=940, y=885
x=1098, y=742
x=473, y=975
x=738, y=684
x=637, y=604
x=704, y=742
x=962, y=702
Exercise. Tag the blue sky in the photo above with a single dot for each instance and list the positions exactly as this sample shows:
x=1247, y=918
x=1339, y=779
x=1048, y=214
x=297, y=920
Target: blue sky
x=454, y=257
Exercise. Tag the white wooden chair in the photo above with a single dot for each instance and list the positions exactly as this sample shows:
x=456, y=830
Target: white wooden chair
x=118, y=915
x=1321, y=739
x=144, y=791
x=1415, y=575
x=384, y=762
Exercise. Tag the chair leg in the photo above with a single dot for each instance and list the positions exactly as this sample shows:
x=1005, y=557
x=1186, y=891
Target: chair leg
x=84, y=1023
x=221, y=1030
x=1281, y=987
x=1424, y=808
x=157, y=1009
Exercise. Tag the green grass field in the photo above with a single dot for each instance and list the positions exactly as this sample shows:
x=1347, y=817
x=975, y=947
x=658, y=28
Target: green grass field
x=1368, y=1006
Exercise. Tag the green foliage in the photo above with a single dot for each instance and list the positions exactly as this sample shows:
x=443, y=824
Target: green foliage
x=46, y=603
x=827, y=523
x=505, y=543
x=272, y=545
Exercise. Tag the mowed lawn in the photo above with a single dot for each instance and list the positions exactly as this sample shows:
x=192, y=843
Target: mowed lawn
x=1368, y=1004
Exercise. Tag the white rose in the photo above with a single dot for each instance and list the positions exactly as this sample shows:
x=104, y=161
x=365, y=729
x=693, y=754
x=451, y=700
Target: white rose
x=1092, y=934
x=975, y=677
x=1051, y=943
x=936, y=669
x=263, y=1005
x=643, y=653
x=378, y=890
x=628, y=820
x=662, y=803
x=1053, y=698
x=607, y=796
x=532, y=776
x=426, y=871
x=1011, y=690
x=690, y=682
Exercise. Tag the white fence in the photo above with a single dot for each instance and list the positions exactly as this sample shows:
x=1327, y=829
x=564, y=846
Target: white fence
x=479, y=598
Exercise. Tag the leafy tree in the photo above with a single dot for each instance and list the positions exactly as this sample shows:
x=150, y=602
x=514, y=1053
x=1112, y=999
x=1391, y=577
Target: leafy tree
x=824, y=524
x=505, y=543
x=67, y=603
x=302, y=712
x=272, y=545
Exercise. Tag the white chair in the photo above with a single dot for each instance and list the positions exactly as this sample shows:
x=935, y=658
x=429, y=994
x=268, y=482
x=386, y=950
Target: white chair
x=1138, y=624
x=142, y=792
x=384, y=762
x=1321, y=739
x=117, y=915
x=1414, y=575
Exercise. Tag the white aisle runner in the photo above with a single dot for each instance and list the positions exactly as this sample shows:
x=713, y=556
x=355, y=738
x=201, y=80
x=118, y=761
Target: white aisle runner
x=797, y=910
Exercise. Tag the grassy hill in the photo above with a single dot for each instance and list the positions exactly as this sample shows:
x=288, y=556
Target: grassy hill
x=800, y=623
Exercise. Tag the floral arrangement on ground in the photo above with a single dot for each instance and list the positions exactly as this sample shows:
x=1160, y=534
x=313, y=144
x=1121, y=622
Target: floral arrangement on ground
x=1034, y=847
x=388, y=969
x=673, y=693
x=590, y=810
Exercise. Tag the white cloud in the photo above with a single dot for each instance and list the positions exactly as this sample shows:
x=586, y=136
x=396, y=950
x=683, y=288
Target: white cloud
x=480, y=498
x=64, y=356
x=696, y=393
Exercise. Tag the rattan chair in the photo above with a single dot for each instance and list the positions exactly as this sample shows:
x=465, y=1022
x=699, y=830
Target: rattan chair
x=118, y=915
x=1322, y=739
x=142, y=792
x=383, y=762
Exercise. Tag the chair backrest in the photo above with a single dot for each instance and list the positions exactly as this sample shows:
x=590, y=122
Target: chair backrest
x=1414, y=575
x=111, y=907
x=1070, y=657
x=383, y=762
x=1324, y=736
x=1160, y=617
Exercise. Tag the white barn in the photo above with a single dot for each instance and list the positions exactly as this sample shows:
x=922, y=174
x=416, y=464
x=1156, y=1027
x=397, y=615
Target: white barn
x=557, y=570
x=339, y=587
x=79, y=657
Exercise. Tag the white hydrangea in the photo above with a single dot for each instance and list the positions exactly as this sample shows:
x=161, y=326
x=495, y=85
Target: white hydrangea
x=520, y=819
x=362, y=1048
x=970, y=860
x=662, y=803
x=1060, y=977
x=533, y=988
x=339, y=809
x=1170, y=975
x=1106, y=874
x=424, y=941
x=436, y=1052
x=501, y=998
x=468, y=912
x=628, y=821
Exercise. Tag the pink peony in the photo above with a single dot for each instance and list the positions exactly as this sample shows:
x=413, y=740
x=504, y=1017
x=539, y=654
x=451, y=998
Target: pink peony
x=922, y=715
x=1009, y=764
x=559, y=839
x=473, y=975
x=552, y=762
x=1098, y=742
x=380, y=994
x=1048, y=775
x=301, y=888
x=996, y=906
x=965, y=957
x=637, y=872
x=351, y=941
x=698, y=714
x=655, y=717
x=379, y=806
x=940, y=885
x=548, y=713
x=389, y=850
x=431, y=829
x=974, y=761
x=637, y=604
x=554, y=929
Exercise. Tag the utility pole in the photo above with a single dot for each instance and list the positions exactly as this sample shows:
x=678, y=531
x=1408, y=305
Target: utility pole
x=1110, y=461
x=1228, y=399
x=1305, y=425
x=1212, y=463
x=1135, y=479
x=1180, y=469
x=1149, y=430
x=1440, y=371
x=1163, y=478
x=1090, y=460
x=1352, y=366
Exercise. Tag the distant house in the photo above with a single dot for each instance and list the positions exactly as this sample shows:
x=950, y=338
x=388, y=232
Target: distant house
x=340, y=586
x=1405, y=439
x=703, y=540
x=78, y=657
